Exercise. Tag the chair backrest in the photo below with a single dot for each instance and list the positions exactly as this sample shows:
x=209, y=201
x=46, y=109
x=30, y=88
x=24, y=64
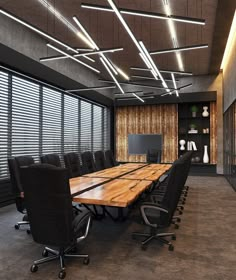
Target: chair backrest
x=154, y=156
x=173, y=191
x=110, y=161
x=88, y=162
x=72, y=163
x=14, y=165
x=100, y=160
x=53, y=159
x=48, y=203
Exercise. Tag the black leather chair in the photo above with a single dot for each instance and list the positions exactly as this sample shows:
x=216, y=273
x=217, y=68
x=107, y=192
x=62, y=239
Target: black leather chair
x=72, y=163
x=159, y=215
x=88, y=162
x=49, y=207
x=53, y=159
x=153, y=156
x=14, y=165
x=110, y=161
x=100, y=160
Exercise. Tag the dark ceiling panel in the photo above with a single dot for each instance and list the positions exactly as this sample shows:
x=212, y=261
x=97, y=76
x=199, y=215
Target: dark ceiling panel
x=224, y=17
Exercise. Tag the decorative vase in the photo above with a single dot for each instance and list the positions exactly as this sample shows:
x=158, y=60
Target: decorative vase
x=205, y=113
x=182, y=143
x=205, y=156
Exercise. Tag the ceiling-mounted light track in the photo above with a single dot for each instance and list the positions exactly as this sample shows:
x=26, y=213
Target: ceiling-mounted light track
x=138, y=97
x=87, y=54
x=90, y=88
x=173, y=50
x=73, y=58
x=37, y=30
x=134, y=84
x=175, y=86
x=146, y=14
x=149, y=78
x=179, y=88
x=163, y=71
x=114, y=79
x=95, y=46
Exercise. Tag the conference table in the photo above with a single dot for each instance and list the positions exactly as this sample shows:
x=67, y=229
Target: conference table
x=118, y=186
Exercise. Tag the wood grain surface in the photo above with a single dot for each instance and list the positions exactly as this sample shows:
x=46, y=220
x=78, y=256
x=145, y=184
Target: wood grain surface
x=150, y=119
x=118, y=192
x=213, y=133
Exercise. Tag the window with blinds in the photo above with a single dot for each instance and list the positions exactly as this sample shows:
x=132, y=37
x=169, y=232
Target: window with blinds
x=51, y=121
x=71, y=124
x=4, y=115
x=36, y=119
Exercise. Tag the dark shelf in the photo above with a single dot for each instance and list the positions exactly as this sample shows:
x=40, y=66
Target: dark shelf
x=192, y=118
x=208, y=134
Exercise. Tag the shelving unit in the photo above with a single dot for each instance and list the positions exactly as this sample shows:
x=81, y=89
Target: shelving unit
x=185, y=120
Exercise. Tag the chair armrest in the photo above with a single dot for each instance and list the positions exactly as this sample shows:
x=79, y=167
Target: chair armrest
x=148, y=205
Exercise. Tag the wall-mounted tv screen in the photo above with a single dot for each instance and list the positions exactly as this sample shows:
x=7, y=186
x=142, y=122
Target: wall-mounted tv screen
x=139, y=144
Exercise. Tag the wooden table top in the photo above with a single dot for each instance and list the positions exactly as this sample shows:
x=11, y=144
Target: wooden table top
x=108, y=173
x=131, y=165
x=147, y=173
x=157, y=166
x=81, y=184
x=118, y=192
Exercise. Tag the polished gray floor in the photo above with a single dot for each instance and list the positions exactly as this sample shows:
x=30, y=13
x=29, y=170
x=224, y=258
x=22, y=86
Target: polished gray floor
x=205, y=248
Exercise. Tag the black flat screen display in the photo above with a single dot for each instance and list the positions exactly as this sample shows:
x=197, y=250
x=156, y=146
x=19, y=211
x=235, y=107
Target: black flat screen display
x=139, y=144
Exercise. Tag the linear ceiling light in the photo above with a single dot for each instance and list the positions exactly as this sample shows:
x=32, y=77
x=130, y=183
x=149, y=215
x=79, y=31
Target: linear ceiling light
x=37, y=30
x=150, y=78
x=59, y=16
x=73, y=58
x=138, y=97
x=146, y=14
x=163, y=71
x=95, y=46
x=113, y=77
x=175, y=86
x=187, y=48
x=142, y=49
x=90, y=88
x=80, y=54
x=173, y=34
x=134, y=84
x=230, y=43
x=179, y=88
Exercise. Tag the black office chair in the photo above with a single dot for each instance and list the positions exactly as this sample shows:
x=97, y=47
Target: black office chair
x=110, y=160
x=88, y=162
x=14, y=165
x=153, y=156
x=100, y=160
x=159, y=216
x=72, y=163
x=53, y=159
x=48, y=203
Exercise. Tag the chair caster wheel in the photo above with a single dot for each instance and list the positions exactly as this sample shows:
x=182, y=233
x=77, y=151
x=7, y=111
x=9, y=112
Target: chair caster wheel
x=45, y=253
x=180, y=212
x=34, y=268
x=86, y=261
x=178, y=220
x=17, y=226
x=173, y=237
x=176, y=226
x=62, y=274
x=171, y=247
x=144, y=247
x=28, y=231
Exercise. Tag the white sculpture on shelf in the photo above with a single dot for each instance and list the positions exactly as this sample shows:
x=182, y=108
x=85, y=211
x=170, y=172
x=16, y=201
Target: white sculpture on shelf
x=205, y=156
x=205, y=113
x=182, y=142
x=191, y=146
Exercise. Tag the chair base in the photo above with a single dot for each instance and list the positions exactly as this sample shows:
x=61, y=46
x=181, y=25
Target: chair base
x=157, y=236
x=60, y=254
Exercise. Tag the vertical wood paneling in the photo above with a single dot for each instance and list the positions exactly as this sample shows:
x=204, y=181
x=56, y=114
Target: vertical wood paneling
x=151, y=119
x=213, y=133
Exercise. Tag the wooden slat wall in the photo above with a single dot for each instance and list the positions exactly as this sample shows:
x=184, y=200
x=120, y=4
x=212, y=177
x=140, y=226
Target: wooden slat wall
x=151, y=119
x=213, y=133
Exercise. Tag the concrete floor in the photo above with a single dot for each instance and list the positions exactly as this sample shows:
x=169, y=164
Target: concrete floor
x=205, y=248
